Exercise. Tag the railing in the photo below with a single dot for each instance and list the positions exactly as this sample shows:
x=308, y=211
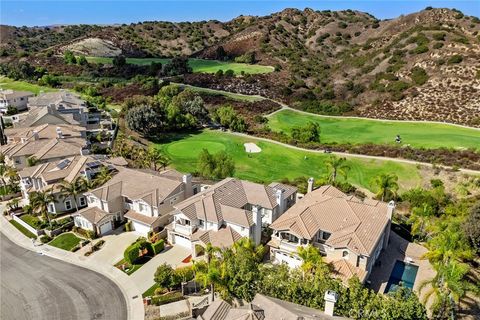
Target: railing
x=128, y=206
x=289, y=246
x=320, y=246
x=185, y=229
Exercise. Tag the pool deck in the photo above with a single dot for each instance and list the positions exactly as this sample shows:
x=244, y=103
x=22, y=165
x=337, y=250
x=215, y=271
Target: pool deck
x=400, y=249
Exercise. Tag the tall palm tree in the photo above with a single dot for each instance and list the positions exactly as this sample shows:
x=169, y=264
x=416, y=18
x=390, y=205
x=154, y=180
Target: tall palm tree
x=449, y=245
x=39, y=200
x=155, y=157
x=210, y=251
x=208, y=274
x=72, y=190
x=387, y=186
x=102, y=176
x=311, y=258
x=337, y=166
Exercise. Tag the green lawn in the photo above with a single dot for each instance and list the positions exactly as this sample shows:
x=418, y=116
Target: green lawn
x=32, y=221
x=358, y=131
x=65, y=241
x=22, y=229
x=198, y=65
x=131, y=268
x=150, y=291
x=276, y=162
x=7, y=83
x=234, y=96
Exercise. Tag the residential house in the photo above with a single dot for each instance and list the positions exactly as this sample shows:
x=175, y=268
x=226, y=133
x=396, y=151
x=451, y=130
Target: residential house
x=263, y=308
x=143, y=198
x=15, y=99
x=226, y=212
x=349, y=232
x=95, y=220
x=44, y=143
x=45, y=115
x=49, y=176
x=64, y=102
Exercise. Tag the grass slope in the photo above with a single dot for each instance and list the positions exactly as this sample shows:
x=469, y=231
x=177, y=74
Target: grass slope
x=358, y=131
x=276, y=162
x=231, y=95
x=22, y=229
x=6, y=83
x=65, y=241
x=198, y=65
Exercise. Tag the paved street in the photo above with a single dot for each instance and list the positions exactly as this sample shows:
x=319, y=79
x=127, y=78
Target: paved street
x=35, y=286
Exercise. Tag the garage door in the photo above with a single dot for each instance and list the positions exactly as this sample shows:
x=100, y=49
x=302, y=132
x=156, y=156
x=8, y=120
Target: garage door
x=183, y=241
x=104, y=228
x=141, y=228
x=292, y=262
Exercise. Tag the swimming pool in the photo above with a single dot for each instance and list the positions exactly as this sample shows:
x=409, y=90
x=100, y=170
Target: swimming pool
x=404, y=273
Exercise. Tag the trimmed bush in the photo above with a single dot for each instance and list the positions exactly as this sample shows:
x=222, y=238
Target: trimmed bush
x=167, y=298
x=158, y=246
x=455, y=59
x=128, y=226
x=132, y=253
x=45, y=239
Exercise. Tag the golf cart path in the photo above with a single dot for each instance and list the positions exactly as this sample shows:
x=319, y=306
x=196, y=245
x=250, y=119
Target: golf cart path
x=349, y=155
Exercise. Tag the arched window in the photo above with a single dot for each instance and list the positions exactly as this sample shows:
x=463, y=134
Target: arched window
x=345, y=254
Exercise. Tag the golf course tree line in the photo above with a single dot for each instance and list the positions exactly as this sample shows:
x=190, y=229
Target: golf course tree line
x=238, y=273
x=448, y=225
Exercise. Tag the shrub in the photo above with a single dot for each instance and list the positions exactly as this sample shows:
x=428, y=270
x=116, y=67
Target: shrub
x=455, y=59
x=420, y=49
x=128, y=226
x=158, y=246
x=419, y=75
x=45, y=239
x=437, y=45
x=167, y=298
x=440, y=36
x=132, y=253
x=229, y=73
x=165, y=276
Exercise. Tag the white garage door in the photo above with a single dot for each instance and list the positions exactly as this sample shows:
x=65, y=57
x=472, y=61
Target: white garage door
x=141, y=228
x=292, y=262
x=104, y=228
x=183, y=241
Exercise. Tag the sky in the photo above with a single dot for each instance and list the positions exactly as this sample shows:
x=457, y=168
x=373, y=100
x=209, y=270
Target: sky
x=42, y=13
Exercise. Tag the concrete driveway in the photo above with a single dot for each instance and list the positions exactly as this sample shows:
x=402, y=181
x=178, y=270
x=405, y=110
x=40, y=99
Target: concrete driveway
x=114, y=247
x=172, y=255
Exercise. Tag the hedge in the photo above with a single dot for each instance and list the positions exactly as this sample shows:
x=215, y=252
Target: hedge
x=167, y=298
x=158, y=246
x=132, y=253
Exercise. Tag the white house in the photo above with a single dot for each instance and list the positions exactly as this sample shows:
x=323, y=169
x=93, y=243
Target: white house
x=226, y=212
x=15, y=99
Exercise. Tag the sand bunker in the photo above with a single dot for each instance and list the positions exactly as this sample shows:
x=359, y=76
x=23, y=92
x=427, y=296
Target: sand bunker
x=251, y=147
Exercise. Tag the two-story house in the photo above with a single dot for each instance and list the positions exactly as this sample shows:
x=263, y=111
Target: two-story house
x=43, y=144
x=143, y=198
x=226, y=212
x=349, y=232
x=14, y=99
x=47, y=177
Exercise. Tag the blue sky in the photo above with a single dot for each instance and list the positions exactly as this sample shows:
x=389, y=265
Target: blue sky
x=40, y=12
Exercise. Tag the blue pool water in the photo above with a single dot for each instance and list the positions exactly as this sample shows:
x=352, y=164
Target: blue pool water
x=404, y=273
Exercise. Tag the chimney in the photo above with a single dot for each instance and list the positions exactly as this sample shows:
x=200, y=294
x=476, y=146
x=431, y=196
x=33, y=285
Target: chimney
x=310, y=185
x=187, y=180
x=35, y=135
x=390, y=209
x=59, y=133
x=280, y=201
x=84, y=151
x=331, y=298
x=257, y=220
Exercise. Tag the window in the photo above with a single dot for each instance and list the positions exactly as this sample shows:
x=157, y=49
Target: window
x=345, y=254
x=68, y=205
x=82, y=201
x=51, y=208
x=141, y=207
x=172, y=201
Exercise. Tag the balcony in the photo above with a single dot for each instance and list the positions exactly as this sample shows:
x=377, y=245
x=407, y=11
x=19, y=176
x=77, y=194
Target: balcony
x=323, y=248
x=184, y=228
x=289, y=246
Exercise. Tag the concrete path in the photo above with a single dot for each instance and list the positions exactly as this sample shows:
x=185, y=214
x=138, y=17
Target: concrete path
x=114, y=247
x=173, y=256
x=131, y=293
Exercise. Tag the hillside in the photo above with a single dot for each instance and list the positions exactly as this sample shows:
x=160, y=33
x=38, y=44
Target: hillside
x=422, y=66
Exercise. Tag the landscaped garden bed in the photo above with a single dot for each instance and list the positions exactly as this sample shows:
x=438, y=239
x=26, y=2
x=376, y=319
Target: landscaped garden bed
x=139, y=253
x=65, y=241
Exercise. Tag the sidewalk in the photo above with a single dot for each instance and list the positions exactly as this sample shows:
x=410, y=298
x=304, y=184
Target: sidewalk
x=133, y=296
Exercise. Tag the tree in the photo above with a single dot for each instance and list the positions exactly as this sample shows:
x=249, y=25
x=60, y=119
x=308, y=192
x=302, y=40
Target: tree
x=69, y=57
x=72, y=190
x=157, y=158
x=177, y=66
x=119, y=61
x=387, y=186
x=82, y=60
x=312, y=259
x=471, y=226
x=143, y=119
x=165, y=276
x=337, y=166
x=217, y=166
x=208, y=274
x=40, y=200
x=229, y=118
x=308, y=133
x=102, y=176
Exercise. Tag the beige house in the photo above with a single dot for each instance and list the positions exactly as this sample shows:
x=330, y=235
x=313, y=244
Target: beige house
x=67, y=104
x=94, y=219
x=226, y=212
x=48, y=177
x=263, y=308
x=45, y=143
x=15, y=99
x=349, y=232
x=143, y=198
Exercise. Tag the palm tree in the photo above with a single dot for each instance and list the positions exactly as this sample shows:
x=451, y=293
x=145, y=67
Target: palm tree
x=156, y=157
x=387, y=185
x=72, y=189
x=3, y=175
x=311, y=258
x=337, y=166
x=449, y=245
x=210, y=251
x=102, y=176
x=208, y=274
x=40, y=200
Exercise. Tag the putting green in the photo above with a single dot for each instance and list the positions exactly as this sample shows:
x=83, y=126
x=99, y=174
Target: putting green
x=360, y=131
x=276, y=162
